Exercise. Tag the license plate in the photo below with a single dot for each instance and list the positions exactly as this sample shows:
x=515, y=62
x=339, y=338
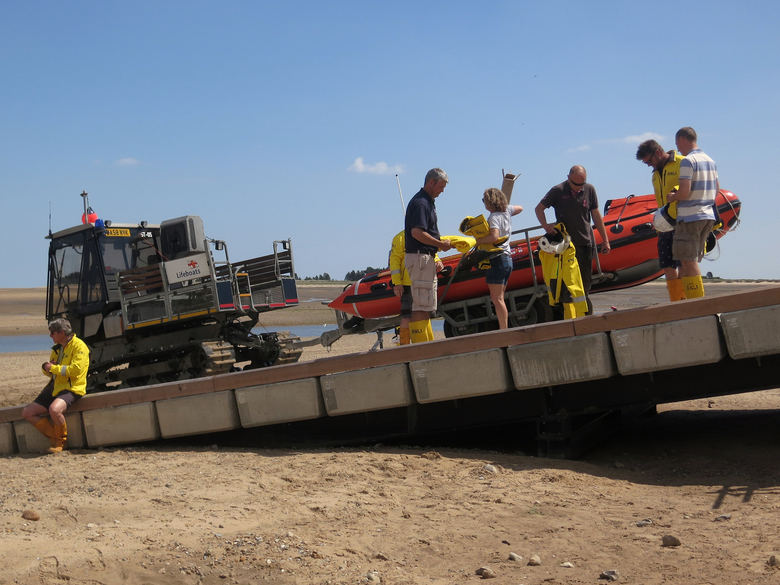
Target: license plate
x=118, y=232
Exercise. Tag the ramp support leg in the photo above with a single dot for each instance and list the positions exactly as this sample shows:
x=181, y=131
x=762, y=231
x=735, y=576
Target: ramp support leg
x=566, y=436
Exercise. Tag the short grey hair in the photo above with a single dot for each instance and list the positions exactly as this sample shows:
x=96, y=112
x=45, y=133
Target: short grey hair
x=437, y=175
x=60, y=325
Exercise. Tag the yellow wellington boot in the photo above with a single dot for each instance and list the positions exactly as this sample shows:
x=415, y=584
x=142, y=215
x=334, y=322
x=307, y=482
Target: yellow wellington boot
x=569, y=311
x=418, y=331
x=403, y=336
x=694, y=287
x=429, y=330
x=60, y=438
x=45, y=427
x=676, y=290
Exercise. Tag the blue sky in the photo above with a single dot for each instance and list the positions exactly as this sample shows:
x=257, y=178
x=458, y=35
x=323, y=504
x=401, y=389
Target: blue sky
x=276, y=120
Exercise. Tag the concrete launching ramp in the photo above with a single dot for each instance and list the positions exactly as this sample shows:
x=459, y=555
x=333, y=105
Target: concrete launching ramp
x=576, y=379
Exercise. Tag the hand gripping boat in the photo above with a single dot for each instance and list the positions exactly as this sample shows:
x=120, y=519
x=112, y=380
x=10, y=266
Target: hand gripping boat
x=464, y=300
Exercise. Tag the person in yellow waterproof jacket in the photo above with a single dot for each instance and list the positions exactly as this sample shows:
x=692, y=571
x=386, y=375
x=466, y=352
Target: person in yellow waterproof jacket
x=666, y=178
x=402, y=283
x=67, y=369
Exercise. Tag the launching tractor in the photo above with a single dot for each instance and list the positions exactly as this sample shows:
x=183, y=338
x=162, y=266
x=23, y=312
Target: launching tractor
x=160, y=303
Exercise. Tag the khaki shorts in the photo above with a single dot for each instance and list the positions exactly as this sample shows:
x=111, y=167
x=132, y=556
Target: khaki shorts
x=422, y=272
x=689, y=239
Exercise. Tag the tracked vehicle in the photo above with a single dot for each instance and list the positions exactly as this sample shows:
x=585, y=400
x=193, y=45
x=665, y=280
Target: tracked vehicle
x=160, y=303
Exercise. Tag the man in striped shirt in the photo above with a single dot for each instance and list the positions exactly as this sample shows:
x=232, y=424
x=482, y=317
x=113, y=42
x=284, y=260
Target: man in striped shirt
x=695, y=213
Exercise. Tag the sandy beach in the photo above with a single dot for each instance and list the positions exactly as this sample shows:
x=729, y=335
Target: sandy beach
x=183, y=512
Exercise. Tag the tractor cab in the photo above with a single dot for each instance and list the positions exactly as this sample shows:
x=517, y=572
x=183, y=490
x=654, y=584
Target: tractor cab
x=84, y=264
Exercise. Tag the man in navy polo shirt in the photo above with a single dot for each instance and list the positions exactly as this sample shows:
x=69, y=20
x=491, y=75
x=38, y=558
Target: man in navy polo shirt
x=422, y=241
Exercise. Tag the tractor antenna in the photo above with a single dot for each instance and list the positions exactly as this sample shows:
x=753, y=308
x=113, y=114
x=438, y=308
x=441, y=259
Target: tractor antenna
x=86, y=205
x=49, y=217
x=403, y=207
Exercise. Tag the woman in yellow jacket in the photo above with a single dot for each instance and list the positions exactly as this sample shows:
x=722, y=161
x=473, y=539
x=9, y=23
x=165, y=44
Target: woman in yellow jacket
x=67, y=369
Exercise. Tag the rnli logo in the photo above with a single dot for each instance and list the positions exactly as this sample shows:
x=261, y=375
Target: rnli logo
x=194, y=270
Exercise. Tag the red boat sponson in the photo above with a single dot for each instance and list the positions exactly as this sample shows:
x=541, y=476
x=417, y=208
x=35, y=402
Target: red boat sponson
x=632, y=261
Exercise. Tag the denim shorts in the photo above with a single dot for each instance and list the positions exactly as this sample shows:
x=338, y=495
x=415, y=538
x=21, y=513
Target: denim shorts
x=500, y=270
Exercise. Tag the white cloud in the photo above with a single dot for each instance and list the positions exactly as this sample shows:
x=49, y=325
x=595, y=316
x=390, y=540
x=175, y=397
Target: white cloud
x=635, y=139
x=127, y=162
x=642, y=138
x=380, y=168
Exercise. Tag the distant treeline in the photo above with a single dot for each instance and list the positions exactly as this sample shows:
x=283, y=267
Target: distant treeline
x=352, y=275
x=358, y=274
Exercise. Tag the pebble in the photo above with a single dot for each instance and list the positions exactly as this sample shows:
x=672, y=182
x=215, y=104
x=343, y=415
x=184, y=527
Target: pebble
x=381, y=556
x=645, y=522
x=31, y=515
x=534, y=561
x=774, y=561
x=486, y=573
x=723, y=517
x=373, y=577
x=609, y=575
x=515, y=557
x=567, y=565
x=490, y=468
x=669, y=540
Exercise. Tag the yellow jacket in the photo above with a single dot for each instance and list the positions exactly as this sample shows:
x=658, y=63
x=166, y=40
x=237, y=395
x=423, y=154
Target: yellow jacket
x=398, y=274
x=70, y=371
x=666, y=181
